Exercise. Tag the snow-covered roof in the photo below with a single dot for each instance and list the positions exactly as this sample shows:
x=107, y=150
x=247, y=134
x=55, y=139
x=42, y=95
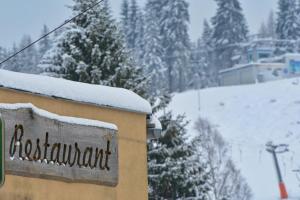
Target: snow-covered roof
x=240, y=66
x=281, y=57
x=102, y=96
x=71, y=120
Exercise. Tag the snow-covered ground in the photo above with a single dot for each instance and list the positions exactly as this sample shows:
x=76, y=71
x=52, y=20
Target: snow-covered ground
x=248, y=117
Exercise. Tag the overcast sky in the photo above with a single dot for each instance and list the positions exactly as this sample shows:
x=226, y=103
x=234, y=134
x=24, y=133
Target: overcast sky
x=19, y=17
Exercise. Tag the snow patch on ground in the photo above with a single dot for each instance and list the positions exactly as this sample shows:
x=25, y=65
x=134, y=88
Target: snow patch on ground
x=248, y=117
x=70, y=120
x=87, y=93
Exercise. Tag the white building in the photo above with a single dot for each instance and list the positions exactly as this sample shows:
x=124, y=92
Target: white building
x=263, y=70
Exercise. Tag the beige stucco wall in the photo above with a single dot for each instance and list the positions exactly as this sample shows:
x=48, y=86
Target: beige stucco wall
x=132, y=155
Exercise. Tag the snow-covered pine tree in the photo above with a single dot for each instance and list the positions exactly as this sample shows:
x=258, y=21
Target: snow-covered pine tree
x=3, y=55
x=207, y=48
x=287, y=27
x=14, y=63
x=91, y=50
x=28, y=59
x=173, y=173
x=298, y=20
x=140, y=42
x=153, y=63
x=202, y=72
x=171, y=162
x=125, y=20
x=268, y=27
x=226, y=182
x=263, y=31
x=271, y=25
x=133, y=25
x=202, y=174
x=229, y=30
x=174, y=29
x=196, y=63
x=156, y=8
x=206, y=36
x=205, y=45
x=45, y=43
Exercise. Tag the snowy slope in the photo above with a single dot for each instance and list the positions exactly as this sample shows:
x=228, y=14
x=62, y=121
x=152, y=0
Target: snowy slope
x=248, y=117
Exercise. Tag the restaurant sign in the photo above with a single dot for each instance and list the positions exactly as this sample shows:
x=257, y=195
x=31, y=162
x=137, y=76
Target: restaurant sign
x=44, y=145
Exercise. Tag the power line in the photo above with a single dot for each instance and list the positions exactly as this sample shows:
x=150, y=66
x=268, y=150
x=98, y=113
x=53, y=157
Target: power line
x=47, y=34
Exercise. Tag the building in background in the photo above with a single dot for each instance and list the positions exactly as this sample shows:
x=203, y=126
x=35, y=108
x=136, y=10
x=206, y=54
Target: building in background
x=256, y=62
x=261, y=70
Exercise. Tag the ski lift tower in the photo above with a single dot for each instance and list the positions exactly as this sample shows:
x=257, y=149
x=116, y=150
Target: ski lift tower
x=274, y=150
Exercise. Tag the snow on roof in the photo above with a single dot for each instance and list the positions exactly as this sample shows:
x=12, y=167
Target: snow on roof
x=70, y=120
x=103, y=96
x=280, y=58
x=239, y=66
x=236, y=67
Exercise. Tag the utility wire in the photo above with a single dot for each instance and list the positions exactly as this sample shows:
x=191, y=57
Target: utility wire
x=46, y=35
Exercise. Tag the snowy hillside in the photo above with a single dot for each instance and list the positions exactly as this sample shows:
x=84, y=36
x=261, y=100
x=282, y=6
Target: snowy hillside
x=248, y=117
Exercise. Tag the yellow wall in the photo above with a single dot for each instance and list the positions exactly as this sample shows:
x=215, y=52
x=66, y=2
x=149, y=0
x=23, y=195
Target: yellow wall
x=132, y=155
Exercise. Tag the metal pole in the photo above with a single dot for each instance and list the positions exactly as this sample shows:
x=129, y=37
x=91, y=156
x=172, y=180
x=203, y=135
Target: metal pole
x=278, y=171
x=274, y=149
